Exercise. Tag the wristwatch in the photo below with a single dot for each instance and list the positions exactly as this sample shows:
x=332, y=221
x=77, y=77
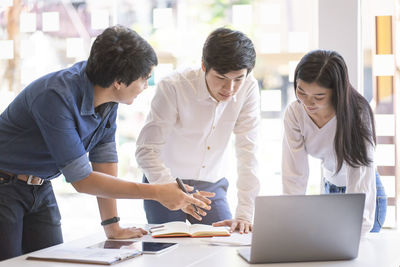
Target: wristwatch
x=110, y=221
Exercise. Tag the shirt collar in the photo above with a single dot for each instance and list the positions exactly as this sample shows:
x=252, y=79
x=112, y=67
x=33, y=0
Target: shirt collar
x=87, y=107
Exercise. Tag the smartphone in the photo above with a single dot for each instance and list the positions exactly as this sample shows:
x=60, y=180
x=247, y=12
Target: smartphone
x=156, y=247
x=145, y=247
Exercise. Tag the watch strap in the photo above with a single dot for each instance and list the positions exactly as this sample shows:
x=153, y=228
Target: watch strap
x=110, y=221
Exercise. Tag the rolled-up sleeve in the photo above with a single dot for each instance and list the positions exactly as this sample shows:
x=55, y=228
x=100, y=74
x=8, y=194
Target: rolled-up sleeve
x=102, y=153
x=77, y=170
x=105, y=150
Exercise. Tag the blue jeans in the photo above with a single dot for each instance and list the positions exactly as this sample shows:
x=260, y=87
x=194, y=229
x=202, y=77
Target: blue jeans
x=157, y=213
x=29, y=218
x=381, y=201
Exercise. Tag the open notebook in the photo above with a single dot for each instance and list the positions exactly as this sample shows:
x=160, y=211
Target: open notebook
x=174, y=229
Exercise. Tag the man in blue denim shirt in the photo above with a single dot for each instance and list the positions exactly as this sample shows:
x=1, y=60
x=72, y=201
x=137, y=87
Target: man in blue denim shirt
x=50, y=128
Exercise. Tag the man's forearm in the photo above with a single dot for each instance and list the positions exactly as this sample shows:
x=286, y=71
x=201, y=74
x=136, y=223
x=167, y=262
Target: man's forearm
x=108, y=186
x=107, y=206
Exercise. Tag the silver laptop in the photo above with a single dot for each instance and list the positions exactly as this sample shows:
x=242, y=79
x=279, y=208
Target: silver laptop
x=293, y=228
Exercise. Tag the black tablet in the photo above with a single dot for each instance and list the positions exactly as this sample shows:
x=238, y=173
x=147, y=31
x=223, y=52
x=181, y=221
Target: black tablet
x=156, y=247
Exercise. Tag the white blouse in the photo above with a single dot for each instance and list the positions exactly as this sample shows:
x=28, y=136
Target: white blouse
x=303, y=137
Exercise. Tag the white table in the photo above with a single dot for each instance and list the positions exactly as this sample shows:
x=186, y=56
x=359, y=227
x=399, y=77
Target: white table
x=376, y=250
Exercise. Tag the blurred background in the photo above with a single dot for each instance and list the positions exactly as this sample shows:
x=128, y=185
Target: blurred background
x=38, y=37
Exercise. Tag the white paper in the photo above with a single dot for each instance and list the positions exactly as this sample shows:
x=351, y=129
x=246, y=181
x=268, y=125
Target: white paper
x=236, y=239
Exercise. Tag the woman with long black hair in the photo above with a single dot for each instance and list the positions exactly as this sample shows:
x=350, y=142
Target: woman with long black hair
x=331, y=121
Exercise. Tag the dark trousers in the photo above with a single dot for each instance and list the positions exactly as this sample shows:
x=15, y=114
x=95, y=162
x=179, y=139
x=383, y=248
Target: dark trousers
x=29, y=218
x=156, y=213
x=381, y=201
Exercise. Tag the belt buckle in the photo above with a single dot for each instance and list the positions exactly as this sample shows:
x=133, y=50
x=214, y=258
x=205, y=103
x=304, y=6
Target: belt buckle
x=31, y=177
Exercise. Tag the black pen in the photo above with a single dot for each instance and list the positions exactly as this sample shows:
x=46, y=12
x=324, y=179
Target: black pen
x=183, y=188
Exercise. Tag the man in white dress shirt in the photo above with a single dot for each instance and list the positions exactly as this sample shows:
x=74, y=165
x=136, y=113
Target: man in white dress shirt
x=193, y=114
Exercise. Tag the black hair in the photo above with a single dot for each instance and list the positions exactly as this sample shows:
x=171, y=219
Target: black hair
x=227, y=50
x=119, y=54
x=355, y=120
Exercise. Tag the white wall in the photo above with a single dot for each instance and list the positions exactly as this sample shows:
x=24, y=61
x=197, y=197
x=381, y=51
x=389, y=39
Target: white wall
x=339, y=29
